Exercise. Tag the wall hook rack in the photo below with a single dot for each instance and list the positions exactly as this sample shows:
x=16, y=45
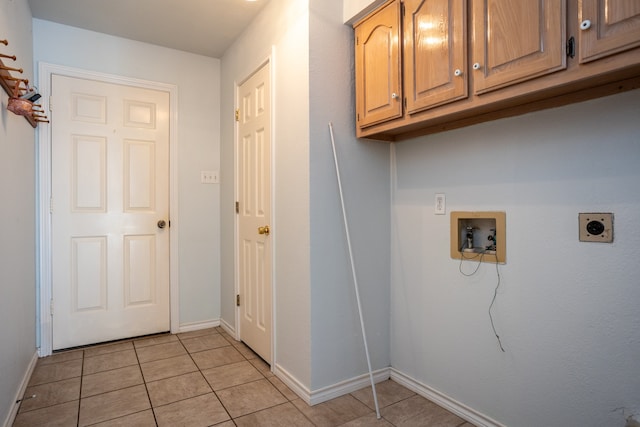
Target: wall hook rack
x=13, y=86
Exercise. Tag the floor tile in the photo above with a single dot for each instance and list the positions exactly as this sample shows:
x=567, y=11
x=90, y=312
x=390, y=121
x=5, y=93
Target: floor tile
x=102, y=349
x=261, y=366
x=139, y=419
x=418, y=411
x=172, y=389
x=160, y=351
x=368, y=420
x=51, y=394
x=160, y=339
x=115, y=379
x=63, y=415
x=61, y=357
x=231, y=375
x=202, y=411
x=244, y=350
x=247, y=398
x=217, y=357
x=199, y=332
x=282, y=388
x=205, y=342
x=165, y=368
x=333, y=412
x=277, y=416
x=109, y=361
x=56, y=371
x=388, y=392
x=112, y=405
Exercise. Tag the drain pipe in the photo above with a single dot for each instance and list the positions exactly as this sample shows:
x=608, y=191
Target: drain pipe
x=353, y=271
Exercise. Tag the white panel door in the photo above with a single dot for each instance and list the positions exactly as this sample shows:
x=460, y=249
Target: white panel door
x=254, y=188
x=110, y=194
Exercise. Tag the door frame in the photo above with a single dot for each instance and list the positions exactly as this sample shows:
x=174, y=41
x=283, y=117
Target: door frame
x=44, y=278
x=270, y=62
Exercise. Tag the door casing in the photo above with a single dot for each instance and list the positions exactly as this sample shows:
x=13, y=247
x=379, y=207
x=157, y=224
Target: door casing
x=44, y=284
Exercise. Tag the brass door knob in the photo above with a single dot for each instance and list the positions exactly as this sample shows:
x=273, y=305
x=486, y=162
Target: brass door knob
x=264, y=230
x=162, y=223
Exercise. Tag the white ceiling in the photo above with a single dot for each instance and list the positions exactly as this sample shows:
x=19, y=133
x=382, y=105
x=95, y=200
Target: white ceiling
x=204, y=27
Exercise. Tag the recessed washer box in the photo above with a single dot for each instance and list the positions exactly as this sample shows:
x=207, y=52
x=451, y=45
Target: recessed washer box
x=479, y=236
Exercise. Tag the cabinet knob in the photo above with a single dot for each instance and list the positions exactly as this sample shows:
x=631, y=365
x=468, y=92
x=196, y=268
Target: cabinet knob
x=476, y=66
x=585, y=25
x=457, y=72
x=394, y=95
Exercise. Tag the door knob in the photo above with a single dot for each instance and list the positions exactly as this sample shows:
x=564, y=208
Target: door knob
x=162, y=223
x=264, y=230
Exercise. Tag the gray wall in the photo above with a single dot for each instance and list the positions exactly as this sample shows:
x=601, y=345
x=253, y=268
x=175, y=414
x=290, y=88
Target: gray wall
x=337, y=349
x=17, y=216
x=567, y=312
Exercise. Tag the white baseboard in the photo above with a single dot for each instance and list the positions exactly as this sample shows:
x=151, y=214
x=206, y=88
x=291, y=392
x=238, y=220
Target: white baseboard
x=330, y=392
x=196, y=326
x=441, y=399
x=228, y=328
x=292, y=382
x=347, y=386
x=11, y=416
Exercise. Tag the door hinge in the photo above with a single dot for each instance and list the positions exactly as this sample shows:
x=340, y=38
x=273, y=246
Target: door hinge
x=237, y=115
x=237, y=207
x=238, y=300
x=358, y=117
x=571, y=47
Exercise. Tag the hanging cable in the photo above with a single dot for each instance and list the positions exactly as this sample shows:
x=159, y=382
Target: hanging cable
x=495, y=291
x=353, y=271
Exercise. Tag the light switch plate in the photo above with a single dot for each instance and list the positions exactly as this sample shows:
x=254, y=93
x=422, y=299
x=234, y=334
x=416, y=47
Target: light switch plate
x=595, y=227
x=209, y=177
x=440, y=204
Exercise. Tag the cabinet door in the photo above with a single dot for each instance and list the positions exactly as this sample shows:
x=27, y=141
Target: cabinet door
x=435, y=70
x=378, y=84
x=515, y=41
x=607, y=27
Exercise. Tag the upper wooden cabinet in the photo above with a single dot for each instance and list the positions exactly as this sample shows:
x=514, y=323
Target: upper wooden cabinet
x=378, y=83
x=607, y=27
x=516, y=40
x=435, y=53
x=425, y=66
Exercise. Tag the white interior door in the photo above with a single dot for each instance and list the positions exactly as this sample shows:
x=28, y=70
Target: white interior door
x=254, y=213
x=110, y=192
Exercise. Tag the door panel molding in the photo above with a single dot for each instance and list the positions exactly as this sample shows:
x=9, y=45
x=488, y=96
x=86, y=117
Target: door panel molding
x=44, y=280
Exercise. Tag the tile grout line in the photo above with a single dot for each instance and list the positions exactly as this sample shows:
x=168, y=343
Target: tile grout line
x=80, y=390
x=144, y=381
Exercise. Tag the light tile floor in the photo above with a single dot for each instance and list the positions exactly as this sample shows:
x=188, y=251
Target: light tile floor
x=200, y=378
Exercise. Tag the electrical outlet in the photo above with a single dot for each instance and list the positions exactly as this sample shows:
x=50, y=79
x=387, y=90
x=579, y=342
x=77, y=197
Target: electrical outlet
x=441, y=204
x=595, y=227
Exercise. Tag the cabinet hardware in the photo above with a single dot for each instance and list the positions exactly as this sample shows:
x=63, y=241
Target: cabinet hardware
x=571, y=47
